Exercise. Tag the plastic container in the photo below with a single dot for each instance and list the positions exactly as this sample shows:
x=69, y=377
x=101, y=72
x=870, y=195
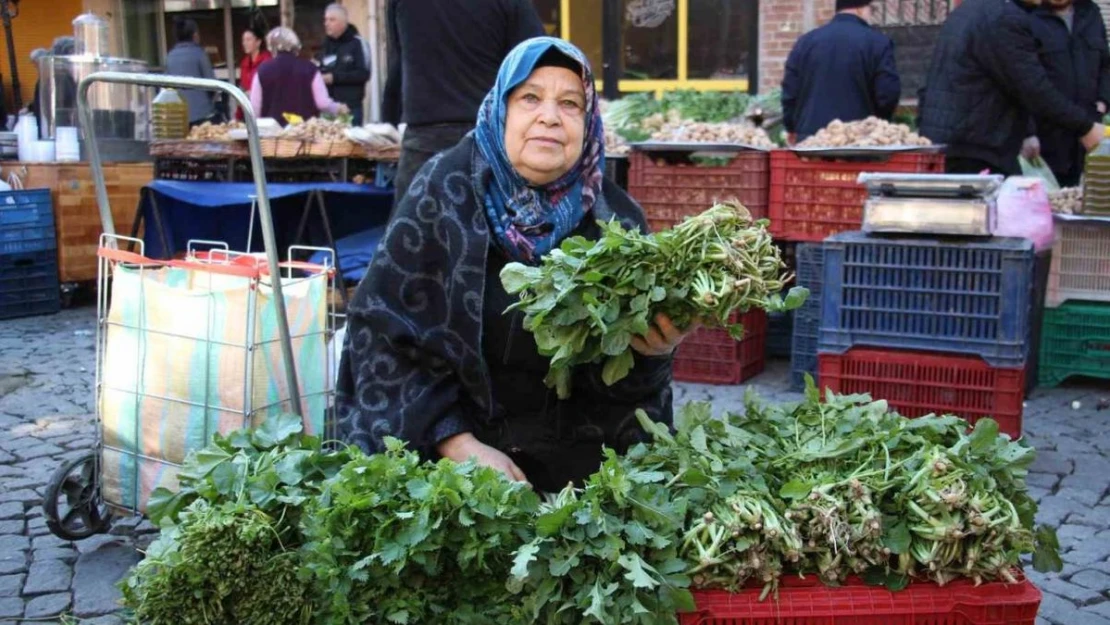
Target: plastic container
x=26, y=221
x=919, y=383
x=712, y=356
x=807, y=319
x=29, y=284
x=670, y=187
x=1075, y=340
x=1080, y=263
x=780, y=333
x=810, y=603
x=814, y=197
x=169, y=115
x=965, y=297
x=1096, y=179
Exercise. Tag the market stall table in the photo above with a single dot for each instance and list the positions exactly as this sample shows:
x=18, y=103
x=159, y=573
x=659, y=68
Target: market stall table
x=177, y=212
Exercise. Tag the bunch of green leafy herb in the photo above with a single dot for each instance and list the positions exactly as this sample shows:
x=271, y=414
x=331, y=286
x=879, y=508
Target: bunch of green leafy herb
x=224, y=563
x=608, y=553
x=587, y=299
x=396, y=540
x=229, y=548
x=706, y=106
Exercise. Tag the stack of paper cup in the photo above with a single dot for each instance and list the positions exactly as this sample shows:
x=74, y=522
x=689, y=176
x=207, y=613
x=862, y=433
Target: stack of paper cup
x=67, y=148
x=43, y=152
x=27, y=129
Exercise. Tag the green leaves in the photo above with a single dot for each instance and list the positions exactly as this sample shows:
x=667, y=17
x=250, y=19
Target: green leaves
x=1046, y=557
x=795, y=490
x=588, y=299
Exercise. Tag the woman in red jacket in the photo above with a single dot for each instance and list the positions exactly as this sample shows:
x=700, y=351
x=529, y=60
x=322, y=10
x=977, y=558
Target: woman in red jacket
x=254, y=55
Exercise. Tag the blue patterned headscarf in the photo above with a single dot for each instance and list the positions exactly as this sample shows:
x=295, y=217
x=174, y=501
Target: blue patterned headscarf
x=527, y=220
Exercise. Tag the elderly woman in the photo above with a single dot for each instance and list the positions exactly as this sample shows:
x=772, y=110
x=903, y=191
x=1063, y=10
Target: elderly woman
x=288, y=83
x=431, y=357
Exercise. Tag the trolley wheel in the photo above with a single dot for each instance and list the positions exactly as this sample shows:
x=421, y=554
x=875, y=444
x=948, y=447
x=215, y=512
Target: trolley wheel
x=81, y=513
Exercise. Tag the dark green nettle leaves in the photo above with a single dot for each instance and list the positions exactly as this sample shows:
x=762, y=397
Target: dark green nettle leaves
x=588, y=299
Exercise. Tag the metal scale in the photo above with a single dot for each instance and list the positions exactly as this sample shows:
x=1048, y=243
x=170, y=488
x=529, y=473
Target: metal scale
x=947, y=204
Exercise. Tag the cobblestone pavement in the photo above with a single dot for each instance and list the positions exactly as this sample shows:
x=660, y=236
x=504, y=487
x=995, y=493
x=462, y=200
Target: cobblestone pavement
x=46, y=417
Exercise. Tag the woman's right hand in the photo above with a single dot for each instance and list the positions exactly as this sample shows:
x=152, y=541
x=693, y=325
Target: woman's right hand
x=463, y=447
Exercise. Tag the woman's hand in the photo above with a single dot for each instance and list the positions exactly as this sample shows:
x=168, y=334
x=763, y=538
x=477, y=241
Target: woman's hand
x=463, y=447
x=662, y=339
x=343, y=110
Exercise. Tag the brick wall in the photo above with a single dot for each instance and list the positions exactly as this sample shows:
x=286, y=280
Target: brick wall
x=781, y=22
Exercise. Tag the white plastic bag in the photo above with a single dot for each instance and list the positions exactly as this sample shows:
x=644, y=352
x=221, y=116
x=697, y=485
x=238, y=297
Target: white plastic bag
x=1037, y=168
x=1025, y=211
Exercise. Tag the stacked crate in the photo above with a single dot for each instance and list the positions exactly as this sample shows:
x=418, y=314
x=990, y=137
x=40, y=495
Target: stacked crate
x=807, y=319
x=1075, y=335
x=670, y=187
x=930, y=325
x=28, y=254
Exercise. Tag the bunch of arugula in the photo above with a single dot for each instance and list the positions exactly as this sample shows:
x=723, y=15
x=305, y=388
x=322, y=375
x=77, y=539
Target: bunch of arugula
x=587, y=299
x=392, y=539
x=229, y=550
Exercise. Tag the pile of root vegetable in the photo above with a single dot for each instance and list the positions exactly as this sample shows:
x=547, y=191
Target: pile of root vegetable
x=871, y=132
x=214, y=132
x=587, y=299
x=1067, y=201
x=686, y=117
x=269, y=527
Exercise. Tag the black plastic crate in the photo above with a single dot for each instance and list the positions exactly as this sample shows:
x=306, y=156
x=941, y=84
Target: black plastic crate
x=29, y=284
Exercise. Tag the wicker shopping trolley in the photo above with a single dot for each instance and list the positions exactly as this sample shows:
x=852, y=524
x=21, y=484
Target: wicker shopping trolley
x=215, y=342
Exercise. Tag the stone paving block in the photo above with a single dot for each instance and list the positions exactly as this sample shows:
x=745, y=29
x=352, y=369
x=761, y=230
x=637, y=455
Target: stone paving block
x=1072, y=592
x=103, y=620
x=1047, y=481
x=1097, y=517
x=94, y=582
x=1055, y=508
x=1052, y=462
x=49, y=541
x=11, y=585
x=47, y=606
x=37, y=527
x=47, y=576
x=99, y=541
x=23, y=496
x=7, y=471
x=11, y=607
x=14, y=526
x=69, y=556
x=12, y=562
x=1093, y=579
x=6, y=458
x=12, y=543
x=41, y=450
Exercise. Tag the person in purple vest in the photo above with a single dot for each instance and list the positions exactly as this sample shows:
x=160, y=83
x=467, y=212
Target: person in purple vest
x=290, y=84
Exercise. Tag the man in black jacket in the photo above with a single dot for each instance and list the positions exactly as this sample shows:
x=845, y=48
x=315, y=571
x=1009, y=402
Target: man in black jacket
x=345, y=61
x=443, y=60
x=1073, y=49
x=984, y=82
x=844, y=70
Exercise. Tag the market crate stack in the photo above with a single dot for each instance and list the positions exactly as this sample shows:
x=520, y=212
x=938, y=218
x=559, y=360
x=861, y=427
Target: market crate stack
x=931, y=325
x=712, y=356
x=807, y=319
x=1075, y=335
x=814, y=197
x=28, y=254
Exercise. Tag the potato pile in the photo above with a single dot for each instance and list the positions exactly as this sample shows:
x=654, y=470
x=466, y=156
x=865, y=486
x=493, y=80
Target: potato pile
x=375, y=136
x=673, y=128
x=1067, y=201
x=317, y=129
x=871, y=132
x=615, y=145
x=214, y=132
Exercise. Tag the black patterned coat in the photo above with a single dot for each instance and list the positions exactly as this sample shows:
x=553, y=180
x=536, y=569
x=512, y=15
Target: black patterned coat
x=429, y=353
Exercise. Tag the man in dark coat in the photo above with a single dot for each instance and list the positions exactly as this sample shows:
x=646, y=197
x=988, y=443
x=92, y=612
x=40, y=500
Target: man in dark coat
x=1073, y=49
x=844, y=70
x=985, y=80
x=345, y=61
x=443, y=60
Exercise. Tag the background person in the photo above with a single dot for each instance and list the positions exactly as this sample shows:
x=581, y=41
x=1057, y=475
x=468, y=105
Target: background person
x=345, y=61
x=187, y=58
x=984, y=81
x=290, y=84
x=844, y=70
x=443, y=60
x=254, y=54
x=1075, y=53
x=430, y=356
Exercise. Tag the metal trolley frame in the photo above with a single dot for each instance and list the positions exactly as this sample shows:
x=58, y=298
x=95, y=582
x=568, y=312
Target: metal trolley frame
x=73, y=504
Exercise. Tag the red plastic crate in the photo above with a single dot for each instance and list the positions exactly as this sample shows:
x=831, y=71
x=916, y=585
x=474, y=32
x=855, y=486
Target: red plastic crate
x=670, y=188
x=814, y=197
x=919, y=383
x=807, y=602
x=712, y=356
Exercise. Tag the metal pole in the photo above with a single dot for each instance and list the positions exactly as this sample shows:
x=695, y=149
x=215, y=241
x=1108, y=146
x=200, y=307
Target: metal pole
x=255, y=147
x=6, y=14
x=611, y=46
x=229, y=43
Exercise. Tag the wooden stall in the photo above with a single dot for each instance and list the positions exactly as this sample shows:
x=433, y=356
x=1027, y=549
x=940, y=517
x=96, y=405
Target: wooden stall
x=76, y=216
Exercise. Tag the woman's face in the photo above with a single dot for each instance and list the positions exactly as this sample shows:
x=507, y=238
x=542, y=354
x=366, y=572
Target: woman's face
x=545, y=121
x=250, y=42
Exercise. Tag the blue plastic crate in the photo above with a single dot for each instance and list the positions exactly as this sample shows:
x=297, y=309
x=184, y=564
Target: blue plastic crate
x=31, y=207
x=19, y=239
x=29, y=284
x=958, y=296
x=803, y=351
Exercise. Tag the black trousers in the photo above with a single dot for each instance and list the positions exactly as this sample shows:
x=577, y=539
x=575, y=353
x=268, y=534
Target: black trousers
x=419, y=145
